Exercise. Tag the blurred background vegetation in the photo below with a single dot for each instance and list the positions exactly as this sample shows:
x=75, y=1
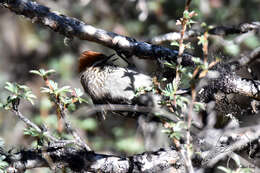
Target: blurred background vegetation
x=25, y=46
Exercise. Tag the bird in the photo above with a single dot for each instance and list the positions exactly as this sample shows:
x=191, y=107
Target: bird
x=107, y=83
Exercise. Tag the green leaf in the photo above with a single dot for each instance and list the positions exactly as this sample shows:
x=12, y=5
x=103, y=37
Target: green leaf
x=188, y=46
x=53, y=84
x=81, y=100
x=48, y=72
x=46, y=90
x=170, y=65
x=175, y=43
x=198, y=106
x=71, y=107
x=18, y=92
x=78, y=92
x=24, y=87
x=64, y=89
x=201, y=40
x=203, y=24
x=42, y=72
x=186, y=14
x=11, y=87
x=30, y=96
x=3, y=164
x=197, y=61
x=32, y=132
x=36, y=72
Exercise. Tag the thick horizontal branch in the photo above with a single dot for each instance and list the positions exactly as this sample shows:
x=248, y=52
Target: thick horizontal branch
x=71, y=27
x=228, y=82
x=242, y=86
x=79, y=160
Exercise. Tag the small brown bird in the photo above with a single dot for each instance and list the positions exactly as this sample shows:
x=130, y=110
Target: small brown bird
x=107, y=83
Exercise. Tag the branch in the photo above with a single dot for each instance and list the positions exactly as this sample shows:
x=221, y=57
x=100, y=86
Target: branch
x=237, y=139
x=71, y=27
x=226, y=81
x=218, y=30
x=160, y=115
x=79, y=160
x=246, y=59
x=239, y=29
x=174, y=36
x=45, y=132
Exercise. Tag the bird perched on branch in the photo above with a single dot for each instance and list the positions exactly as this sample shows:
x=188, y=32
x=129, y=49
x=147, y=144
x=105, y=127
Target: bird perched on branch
x=107, y=83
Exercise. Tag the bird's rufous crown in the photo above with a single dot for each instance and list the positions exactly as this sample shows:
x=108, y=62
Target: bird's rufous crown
x=88, y=58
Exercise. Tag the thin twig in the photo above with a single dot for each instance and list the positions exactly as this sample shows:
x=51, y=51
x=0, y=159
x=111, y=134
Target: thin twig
x=218, y=30
x=173, y=36
x=159, y=112
x=69, y=128
x=46, y=133
x=187, y=154
x=27, y=121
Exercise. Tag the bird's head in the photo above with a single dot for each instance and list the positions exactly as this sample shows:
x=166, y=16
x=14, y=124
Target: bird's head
x=88, y=59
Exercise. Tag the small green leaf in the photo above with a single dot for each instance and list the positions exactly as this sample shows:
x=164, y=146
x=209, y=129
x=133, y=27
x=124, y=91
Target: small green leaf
x=71, y=107
x=3, y=164
x=78, y=92
x=170, y=65
x=64, y=89
x=203, y=25
x=53, y=84
x=32, y=132
x=36, y=72
x=198, y=106
x=81, y=100
x=11, y=87
x=197, y=61
x=201, y=40
x=42, y=72
x=24, y=87
x=186, y=14
x=48, y=72
x=175, y=43
x=46, y=90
